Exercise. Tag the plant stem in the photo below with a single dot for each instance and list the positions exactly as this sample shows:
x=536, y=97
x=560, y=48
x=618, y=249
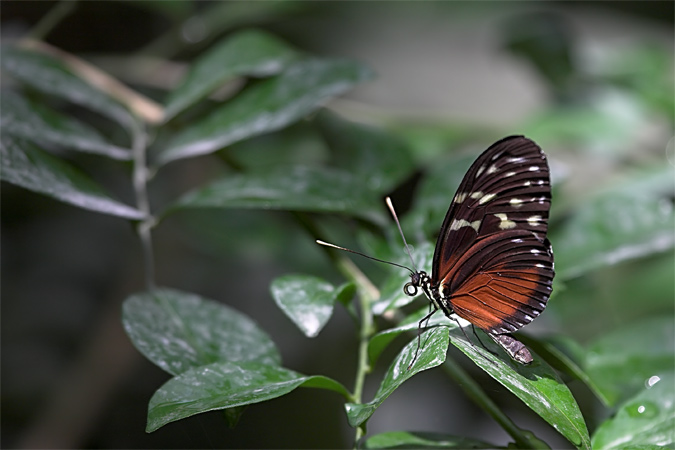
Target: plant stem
x=52, y=19
x=367, y=294
x=140, y=180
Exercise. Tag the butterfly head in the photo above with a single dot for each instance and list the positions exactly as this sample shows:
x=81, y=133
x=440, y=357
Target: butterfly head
x=418, y=279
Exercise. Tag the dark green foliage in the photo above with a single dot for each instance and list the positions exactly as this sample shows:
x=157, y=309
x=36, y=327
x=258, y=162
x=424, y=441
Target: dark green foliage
x=220, y=359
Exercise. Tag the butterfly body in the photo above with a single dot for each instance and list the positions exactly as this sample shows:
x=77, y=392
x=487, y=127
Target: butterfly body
x=493, y=265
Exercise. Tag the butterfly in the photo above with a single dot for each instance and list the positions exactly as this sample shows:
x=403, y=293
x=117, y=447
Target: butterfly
x=493, y=265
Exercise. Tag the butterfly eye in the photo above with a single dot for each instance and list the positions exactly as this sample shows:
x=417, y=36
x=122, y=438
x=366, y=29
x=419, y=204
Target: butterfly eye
x=410, y=289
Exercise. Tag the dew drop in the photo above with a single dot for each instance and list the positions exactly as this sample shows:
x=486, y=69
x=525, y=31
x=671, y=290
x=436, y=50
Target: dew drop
x=643, y=409
x=651, y=381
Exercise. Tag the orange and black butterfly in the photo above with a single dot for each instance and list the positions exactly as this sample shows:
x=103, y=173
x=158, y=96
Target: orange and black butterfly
x=493, y=264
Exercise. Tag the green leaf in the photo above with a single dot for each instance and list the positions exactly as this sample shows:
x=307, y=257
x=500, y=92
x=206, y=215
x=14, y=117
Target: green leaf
x=373, y=154
x=306, y=300
x=422, y=439
x=381, y=340
x=37, y=123
x=646, y=420
x=620, y=362
x=25, y=165
x=536, y=384
x=296, y=188
x=632, y=220
x=565, y=355
x=226, y=385
x=430, y=355
x=267, y=106
x=51, y=76
x=178, y=331
x=250, y=52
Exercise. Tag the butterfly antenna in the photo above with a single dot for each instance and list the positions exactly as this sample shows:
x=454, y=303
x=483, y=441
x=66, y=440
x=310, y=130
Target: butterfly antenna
x=327, y=244
x=400, y=230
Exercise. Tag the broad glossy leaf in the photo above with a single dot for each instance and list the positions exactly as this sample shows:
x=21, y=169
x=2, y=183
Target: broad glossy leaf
x=226, y=385
x=267, y=106
x=378, y=156
x=25, y=165
x=605, y=300
x=565, y=355
x=294, y=188
x=421, y=440
x=178, y=331
x=50, y=75
x=620, y=362
x=250, y=52
x=308, y=301
x=632, y=220
x=430, y=355
x=381, y=340
x=38, y=123
x=646, y=420
x=537, y=385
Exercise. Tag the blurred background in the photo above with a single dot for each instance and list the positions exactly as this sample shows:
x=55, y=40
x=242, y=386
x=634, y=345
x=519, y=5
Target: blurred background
x=591, y=82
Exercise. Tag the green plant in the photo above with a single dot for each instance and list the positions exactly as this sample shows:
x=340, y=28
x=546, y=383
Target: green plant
x=220, y=359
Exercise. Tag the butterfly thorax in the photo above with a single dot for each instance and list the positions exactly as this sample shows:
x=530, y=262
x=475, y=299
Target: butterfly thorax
x=436, y=294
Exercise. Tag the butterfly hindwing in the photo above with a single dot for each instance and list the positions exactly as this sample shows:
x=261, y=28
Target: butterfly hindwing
x=504, y=282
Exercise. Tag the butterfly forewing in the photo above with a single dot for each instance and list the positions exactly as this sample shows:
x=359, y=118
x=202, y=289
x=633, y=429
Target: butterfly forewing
x=492, y=263
x=507, y=187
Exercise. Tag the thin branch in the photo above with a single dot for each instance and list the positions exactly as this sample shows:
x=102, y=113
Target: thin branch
x=140, y=181
x=52, y=19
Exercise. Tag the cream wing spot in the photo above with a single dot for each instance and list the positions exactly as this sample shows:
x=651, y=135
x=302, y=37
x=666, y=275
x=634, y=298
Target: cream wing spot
x=460, y=197
x=459, y=223
x=492, y=169
x=486, y=198
x=505, y=223
x=516, y=202
x=476, y=195
x=534, y=220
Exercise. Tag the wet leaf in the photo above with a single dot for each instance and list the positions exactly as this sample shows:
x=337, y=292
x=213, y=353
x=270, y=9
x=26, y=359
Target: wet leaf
x=367, y=152
x=429, y=356
x=632, y=220
x=38, y=123
x=267, y=106
x=250, y=52
x=422, y=440
x=308, y=301
x=226, y=385
x=647, y=420
x=49, y=75
x=620, y=362
x=178, y=331
x=296, y=188
x=536, y=384
x=25, y=165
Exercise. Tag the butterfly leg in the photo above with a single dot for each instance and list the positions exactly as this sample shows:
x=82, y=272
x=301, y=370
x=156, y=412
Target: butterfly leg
x=419, y=333
x=473, y=328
